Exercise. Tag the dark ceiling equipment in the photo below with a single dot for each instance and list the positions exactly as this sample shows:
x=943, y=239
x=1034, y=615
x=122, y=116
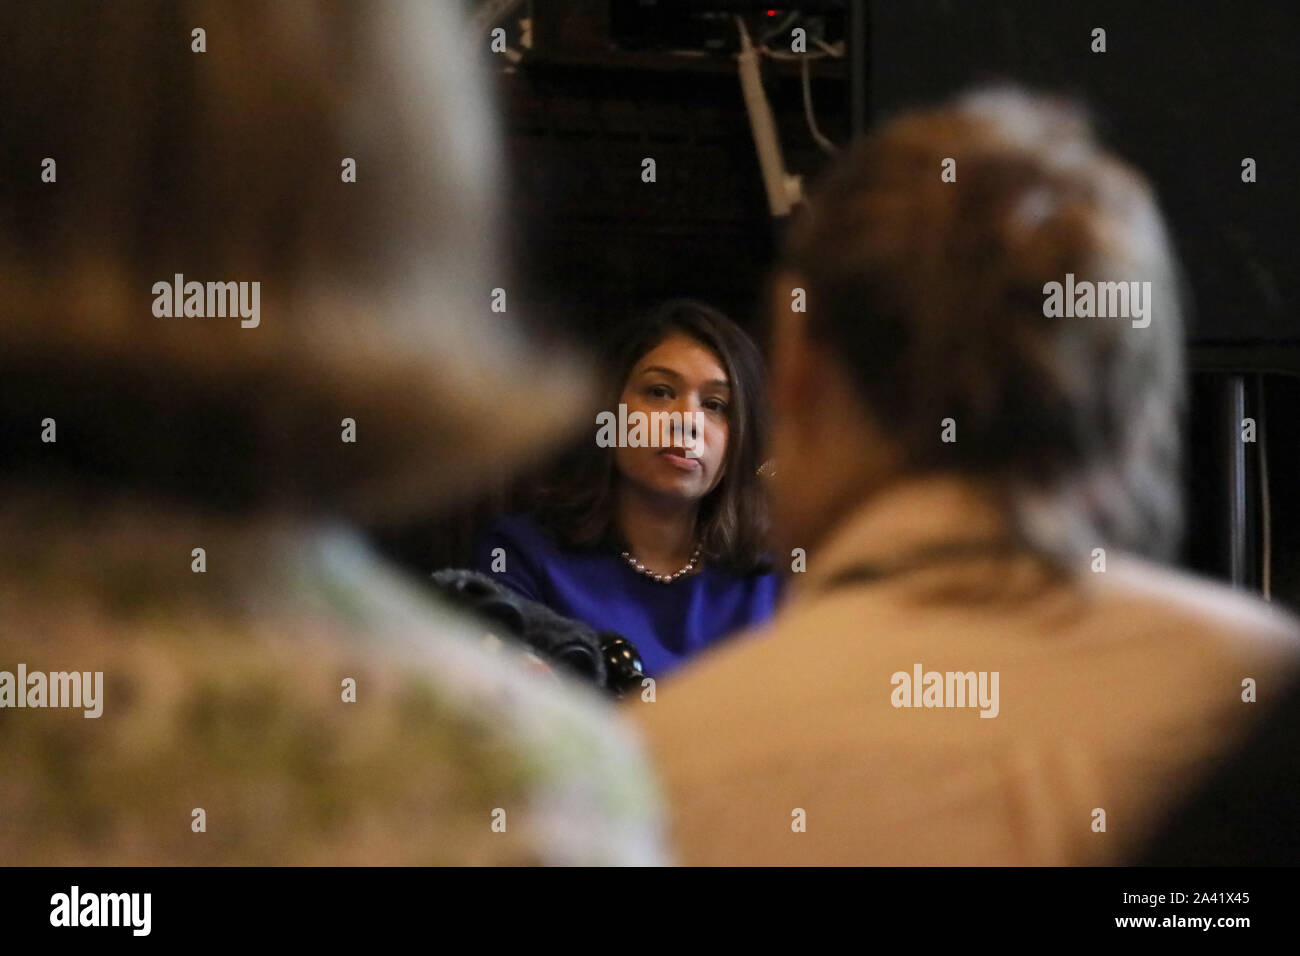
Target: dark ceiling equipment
x=710, y=24
x=601, y=86
x=1185, y=91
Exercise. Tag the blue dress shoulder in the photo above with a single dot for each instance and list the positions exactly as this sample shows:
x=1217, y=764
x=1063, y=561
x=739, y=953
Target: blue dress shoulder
x=668, y=623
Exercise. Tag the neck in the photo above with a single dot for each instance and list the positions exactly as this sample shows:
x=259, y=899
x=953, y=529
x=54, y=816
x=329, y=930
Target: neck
x=659, y=533
x=856, y=461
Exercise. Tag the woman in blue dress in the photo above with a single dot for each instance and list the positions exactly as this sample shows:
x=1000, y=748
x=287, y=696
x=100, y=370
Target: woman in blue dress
x=665, y=543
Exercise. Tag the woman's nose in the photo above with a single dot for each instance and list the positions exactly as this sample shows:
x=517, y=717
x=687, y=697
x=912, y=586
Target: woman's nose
x=690, y=412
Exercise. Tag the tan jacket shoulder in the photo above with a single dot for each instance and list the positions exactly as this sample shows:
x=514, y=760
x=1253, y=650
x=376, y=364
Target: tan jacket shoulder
x=871, y=725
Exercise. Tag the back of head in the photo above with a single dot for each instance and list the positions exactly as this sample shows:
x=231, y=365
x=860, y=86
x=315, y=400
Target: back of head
x=930, y=254
x=227, y=227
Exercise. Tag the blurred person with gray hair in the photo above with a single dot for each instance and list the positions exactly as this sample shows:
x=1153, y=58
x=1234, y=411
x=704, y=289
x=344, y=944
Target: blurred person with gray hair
x=246, y=257
x=984, y=661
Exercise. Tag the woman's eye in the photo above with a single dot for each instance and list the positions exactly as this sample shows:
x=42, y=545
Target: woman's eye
x=716, y=405
x=659, y=391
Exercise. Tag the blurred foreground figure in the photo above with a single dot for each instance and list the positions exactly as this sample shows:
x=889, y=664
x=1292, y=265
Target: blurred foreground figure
x=180, y=467
x=976, y=666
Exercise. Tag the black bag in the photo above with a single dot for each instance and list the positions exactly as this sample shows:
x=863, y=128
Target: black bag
x=604, y=658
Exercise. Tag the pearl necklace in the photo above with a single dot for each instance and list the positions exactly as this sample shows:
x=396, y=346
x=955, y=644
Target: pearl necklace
x=663, y=578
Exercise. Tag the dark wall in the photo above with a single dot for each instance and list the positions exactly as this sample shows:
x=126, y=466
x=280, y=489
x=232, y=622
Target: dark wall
x=1185, y=91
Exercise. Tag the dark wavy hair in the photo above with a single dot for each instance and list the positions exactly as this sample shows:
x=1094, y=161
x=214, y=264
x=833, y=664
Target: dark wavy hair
x=577, y=505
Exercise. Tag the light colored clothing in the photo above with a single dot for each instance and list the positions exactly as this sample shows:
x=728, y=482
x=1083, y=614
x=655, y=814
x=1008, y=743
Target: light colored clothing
x=223, y=690
x=1116, y=691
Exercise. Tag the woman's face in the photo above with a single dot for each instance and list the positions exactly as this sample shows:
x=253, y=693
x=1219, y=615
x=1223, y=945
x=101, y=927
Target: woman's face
x=678, y=375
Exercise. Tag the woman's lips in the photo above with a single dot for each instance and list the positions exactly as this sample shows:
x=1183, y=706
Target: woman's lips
x=677, y=458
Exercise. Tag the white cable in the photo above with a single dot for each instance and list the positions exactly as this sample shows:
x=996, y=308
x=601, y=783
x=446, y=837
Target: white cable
x=822, y=141
x=809, y=114
x=782, y=189
x=1265, y=504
